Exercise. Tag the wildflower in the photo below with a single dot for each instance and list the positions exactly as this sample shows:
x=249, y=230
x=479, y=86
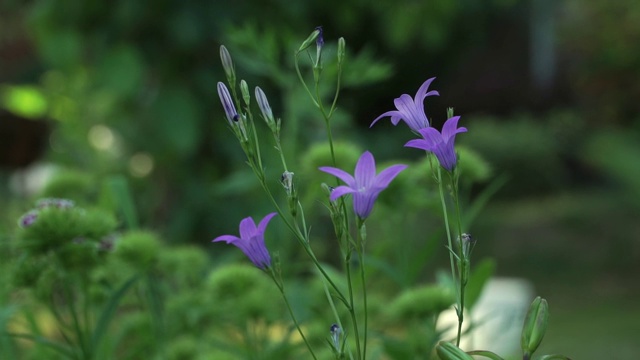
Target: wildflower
x=441, y=145
x=411, y=110
x=227, y=103
x=365, y=185
x=320, y=38
x=28, y=219
x=251, y=241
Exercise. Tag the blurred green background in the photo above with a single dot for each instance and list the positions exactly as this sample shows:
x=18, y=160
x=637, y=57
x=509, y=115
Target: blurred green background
x=93, y=90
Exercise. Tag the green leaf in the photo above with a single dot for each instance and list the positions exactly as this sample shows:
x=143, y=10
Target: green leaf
x=485, y=353
x=109, y=310
x=554, y=357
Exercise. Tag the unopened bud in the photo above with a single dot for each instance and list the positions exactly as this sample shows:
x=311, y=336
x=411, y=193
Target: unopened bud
x=341, y=50
x=244, y=90
x=227, y=64
x=535, y=325
x=287, y=181
x=335, y=335
x=265, y=108
x=449, y=113
x=305, y=44
x=467, y=244
x=227, y=103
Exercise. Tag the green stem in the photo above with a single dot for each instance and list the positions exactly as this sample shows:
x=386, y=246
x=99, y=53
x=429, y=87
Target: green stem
x=302, y=239
x=280, y=285
x=464, y=262
x=352, y=312
x=457, y=281
x=362, y=235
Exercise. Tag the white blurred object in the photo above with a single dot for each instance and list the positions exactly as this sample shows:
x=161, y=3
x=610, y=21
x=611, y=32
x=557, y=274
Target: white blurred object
x=29, y=181
x=496, y=318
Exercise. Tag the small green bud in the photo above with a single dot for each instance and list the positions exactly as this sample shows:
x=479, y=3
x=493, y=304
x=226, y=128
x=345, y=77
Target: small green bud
x=227, y=65
x=305, y=44
x=449, y=113
x=535, y=325
x=448, y=351
x=341, y=50
x=244, y=90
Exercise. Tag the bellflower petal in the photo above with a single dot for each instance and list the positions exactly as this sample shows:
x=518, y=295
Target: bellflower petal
x=340, y=174
x=340, y=191
x=440, y=144
x=251, y=241
x=411, y=110
x=365, y=185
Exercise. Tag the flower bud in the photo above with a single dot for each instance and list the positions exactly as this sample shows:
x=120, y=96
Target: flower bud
x=265, y=108
x=341, y=50
x=449, y=113
x=244, y=90
x=305, y=44
x=287, y=181
x=535, y=325
x=227, y=103
x=467, y=243
x=227, y=64
x=335, y=335
x=448, y=351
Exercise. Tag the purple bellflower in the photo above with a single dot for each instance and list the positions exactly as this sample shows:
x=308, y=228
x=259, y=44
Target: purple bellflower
x=441, y=145
x=251, y=241
x=227, y=103
x=411, y=110
x=365, y=185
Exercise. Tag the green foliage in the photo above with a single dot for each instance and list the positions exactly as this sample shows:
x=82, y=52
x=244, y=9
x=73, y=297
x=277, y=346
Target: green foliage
x=138, y=248
x=241, y=292
x=421, y=303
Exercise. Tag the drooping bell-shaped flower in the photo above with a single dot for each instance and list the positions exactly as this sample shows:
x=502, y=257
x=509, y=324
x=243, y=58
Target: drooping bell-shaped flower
x=411, y=110
x=251, y=241
x=365, y=185
x=440, y=144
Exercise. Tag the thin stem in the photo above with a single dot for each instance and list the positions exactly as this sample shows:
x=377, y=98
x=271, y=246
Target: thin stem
x=352, y=312
x=464, y=261
x=446, y=224
x=297, y=66
x=303, y=240
x=362, y=235
x=280, y=285
x=457, y=281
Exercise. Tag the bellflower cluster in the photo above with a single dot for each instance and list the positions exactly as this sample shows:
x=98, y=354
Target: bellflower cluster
x=411, y=111
x=251, y=241
x=365, y=185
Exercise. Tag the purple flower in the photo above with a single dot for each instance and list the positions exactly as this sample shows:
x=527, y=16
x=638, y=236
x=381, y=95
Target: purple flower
x=441, y=145
x=365, y=185
x=251, y=241
x=320, y=38
x=227, y=103
x=28, y=219
x=411, y=110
